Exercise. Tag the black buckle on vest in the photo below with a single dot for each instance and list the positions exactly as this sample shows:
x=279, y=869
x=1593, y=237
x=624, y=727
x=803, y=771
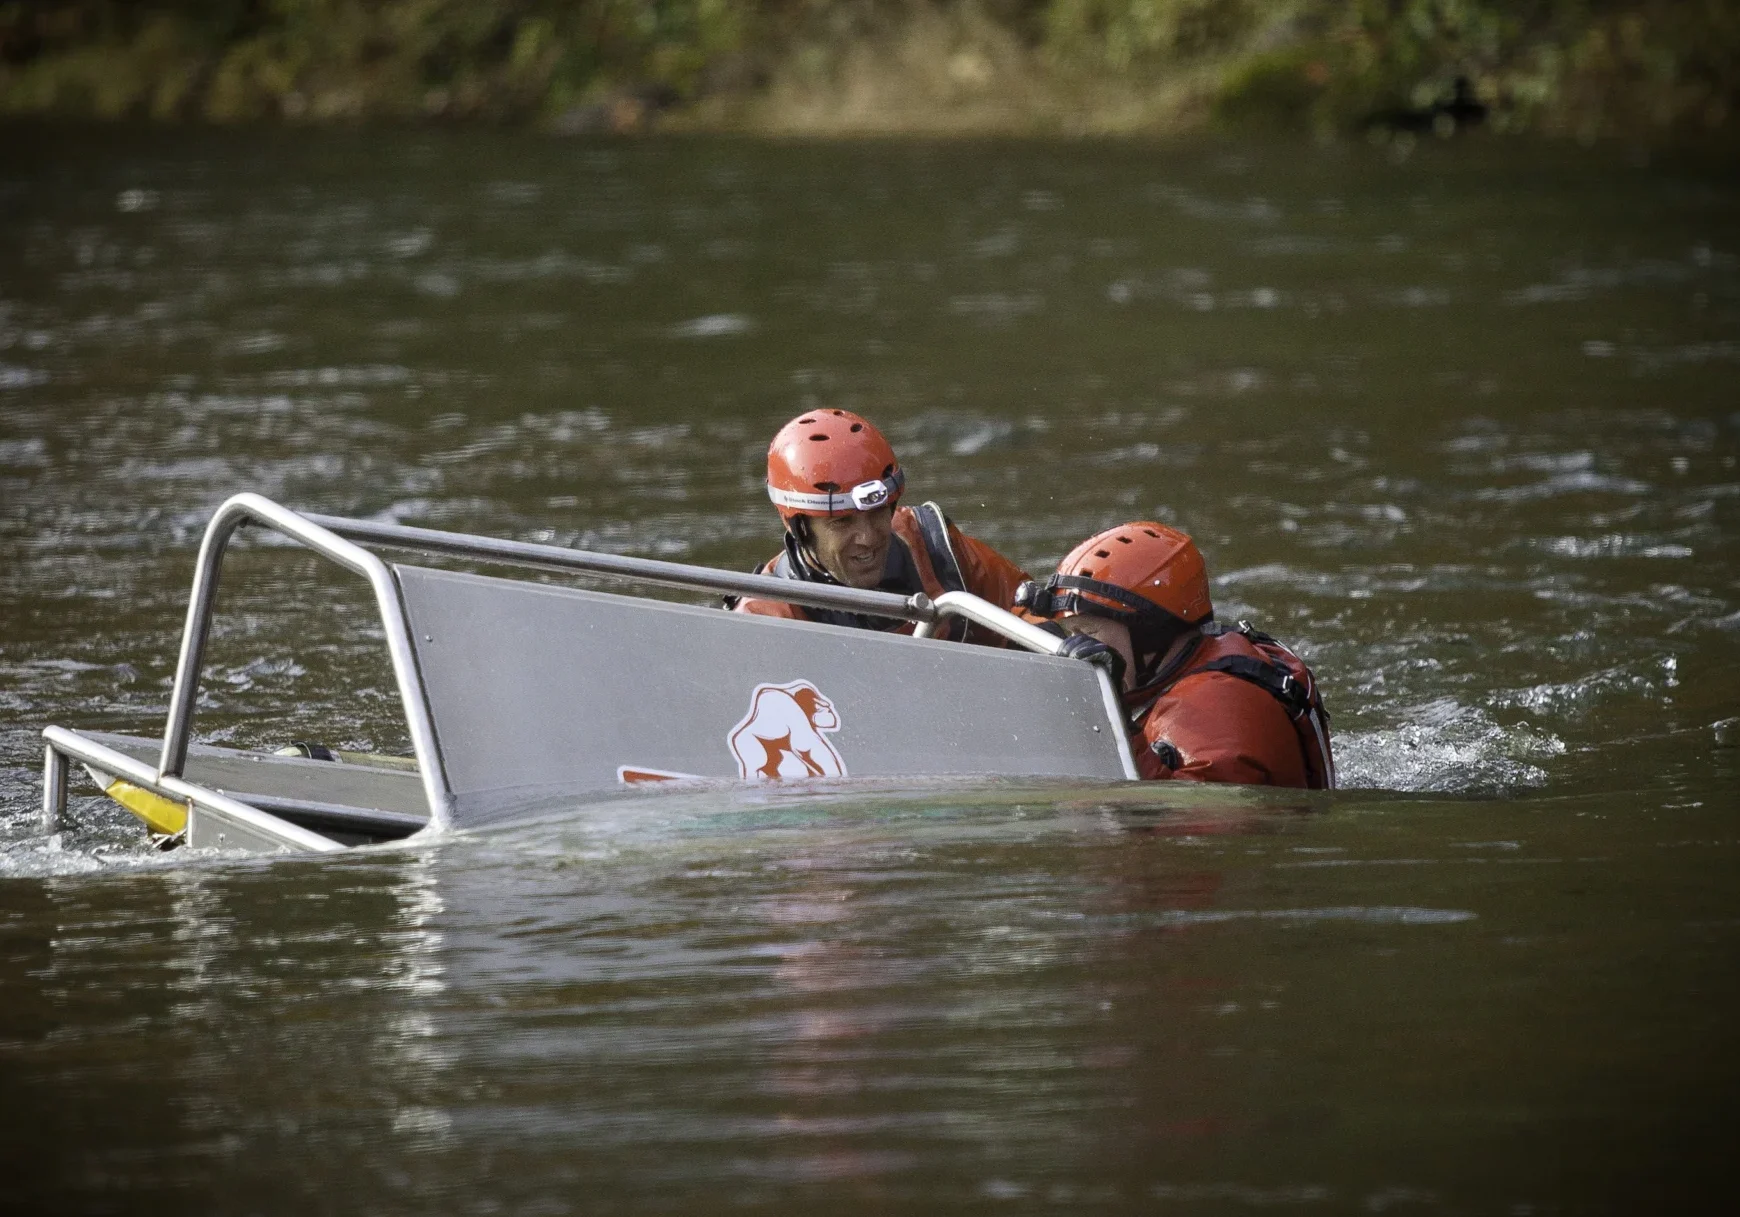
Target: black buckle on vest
x=1253, y=633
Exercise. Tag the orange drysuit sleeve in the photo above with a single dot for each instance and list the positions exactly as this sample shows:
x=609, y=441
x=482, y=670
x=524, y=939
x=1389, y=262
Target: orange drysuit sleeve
x=771, y=608
x=987, y=573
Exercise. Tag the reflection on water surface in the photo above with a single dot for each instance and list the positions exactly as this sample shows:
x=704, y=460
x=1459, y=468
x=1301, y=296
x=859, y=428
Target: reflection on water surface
x=1461, y=428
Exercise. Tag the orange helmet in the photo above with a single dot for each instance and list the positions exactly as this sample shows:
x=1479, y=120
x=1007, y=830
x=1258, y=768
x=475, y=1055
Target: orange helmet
x=1137, y=573
x=828, y=463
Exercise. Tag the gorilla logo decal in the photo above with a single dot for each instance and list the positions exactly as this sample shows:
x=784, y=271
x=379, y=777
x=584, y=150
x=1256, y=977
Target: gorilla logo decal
x=782, y=736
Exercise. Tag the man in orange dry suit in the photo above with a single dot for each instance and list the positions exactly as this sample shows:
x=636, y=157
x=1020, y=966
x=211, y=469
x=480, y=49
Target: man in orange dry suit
x=1205, y=702
x=837, y=484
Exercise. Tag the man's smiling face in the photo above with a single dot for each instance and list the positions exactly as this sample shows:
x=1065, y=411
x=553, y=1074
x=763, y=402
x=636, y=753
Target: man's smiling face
x=853, y=547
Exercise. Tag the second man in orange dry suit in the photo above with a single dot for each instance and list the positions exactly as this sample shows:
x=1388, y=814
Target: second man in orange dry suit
x=836, y=484
x=1205, y=702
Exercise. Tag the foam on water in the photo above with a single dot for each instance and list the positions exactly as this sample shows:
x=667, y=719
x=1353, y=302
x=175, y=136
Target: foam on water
x=1445, y=747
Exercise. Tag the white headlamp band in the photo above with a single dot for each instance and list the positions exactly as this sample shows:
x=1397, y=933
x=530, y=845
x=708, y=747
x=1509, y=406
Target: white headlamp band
x=865, y=496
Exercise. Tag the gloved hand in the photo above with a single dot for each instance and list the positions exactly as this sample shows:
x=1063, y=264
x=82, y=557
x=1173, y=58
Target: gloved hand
x=1086, y=647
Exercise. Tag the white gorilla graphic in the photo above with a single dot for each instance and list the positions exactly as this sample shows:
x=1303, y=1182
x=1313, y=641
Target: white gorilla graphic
x=781, y=736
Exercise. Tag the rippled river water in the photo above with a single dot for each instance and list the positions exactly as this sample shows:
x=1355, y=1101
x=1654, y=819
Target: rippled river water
x=1461, y=425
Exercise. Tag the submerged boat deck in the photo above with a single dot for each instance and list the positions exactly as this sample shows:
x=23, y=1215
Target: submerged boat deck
x=367, y=801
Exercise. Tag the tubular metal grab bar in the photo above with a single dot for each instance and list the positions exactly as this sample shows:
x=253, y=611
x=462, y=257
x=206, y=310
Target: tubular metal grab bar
x=256, y=509
x=640, y=570
x=54, y=778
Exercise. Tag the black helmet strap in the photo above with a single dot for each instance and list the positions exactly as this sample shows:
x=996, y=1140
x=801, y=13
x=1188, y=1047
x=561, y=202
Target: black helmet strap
x=1067, y=594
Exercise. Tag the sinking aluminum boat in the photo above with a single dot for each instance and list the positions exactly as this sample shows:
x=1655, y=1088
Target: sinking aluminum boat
x=519, y=695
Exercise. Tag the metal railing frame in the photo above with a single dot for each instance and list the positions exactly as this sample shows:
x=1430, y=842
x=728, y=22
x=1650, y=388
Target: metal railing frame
x=259, y=510
x=60, y=745
x=334, y=537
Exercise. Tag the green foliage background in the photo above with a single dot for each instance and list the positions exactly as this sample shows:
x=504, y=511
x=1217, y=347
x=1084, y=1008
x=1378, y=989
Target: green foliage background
x=1586, y=67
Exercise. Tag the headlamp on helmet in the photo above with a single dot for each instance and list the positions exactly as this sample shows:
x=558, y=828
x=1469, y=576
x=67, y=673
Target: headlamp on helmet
x=868, y=496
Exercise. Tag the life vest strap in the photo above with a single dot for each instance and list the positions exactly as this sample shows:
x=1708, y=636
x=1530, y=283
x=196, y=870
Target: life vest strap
x=1215, y=629
x=1275, y=679
x=933, y=531
x=933, y=526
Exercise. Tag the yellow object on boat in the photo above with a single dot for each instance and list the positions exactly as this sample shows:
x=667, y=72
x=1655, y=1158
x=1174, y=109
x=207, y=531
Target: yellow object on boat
x=160, y=814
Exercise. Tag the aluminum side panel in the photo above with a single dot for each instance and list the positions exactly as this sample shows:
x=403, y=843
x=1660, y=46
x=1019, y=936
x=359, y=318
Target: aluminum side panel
x=535, y=687
x=210, y=829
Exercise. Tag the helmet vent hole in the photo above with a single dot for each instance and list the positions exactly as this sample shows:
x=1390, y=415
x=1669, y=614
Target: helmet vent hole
x=1101, y=553
x=856, y=427
x=804, y=422
x=1124, y=541
x=1151, y=532
x=817, y=438
x=1088, y=574
x=828, y=487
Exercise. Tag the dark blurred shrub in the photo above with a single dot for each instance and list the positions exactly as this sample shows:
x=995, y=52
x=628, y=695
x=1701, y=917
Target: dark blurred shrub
x=1577, y=66
x=1276, y=89
x=242, y=59
x=1126, y=34
x=1584, y=67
